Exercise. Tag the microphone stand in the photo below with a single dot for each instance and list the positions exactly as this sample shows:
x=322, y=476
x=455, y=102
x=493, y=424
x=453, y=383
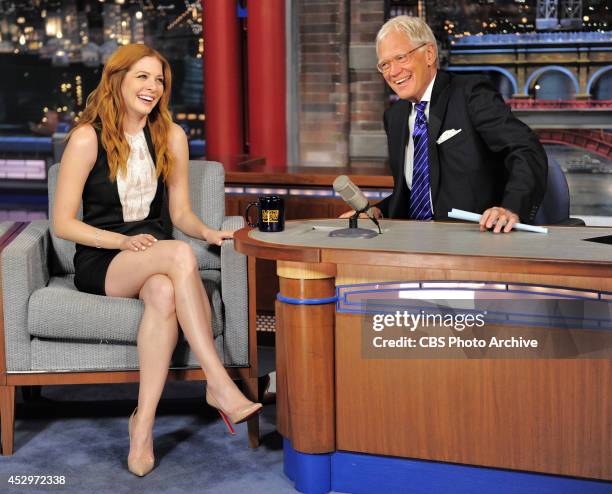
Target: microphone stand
x=353, y=231
x=374, y=220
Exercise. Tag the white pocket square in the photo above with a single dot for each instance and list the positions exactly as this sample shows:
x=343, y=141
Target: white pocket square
x=447, y=134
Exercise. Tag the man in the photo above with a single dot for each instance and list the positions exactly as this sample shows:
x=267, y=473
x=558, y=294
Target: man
x=453, y=142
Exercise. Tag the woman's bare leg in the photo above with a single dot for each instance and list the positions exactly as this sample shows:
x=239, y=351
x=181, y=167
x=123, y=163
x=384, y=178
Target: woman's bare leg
x=157, y=337
x=175, y=259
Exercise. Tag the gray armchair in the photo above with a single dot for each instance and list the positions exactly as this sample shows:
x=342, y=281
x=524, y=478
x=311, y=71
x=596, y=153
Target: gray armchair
x=54, y=334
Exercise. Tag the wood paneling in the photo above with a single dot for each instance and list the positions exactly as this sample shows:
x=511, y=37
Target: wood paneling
x=352, y=274
x=308, y=334
x=376, y=176
x=7, y=411
x=267, y=285
x=283, y=424
x=452, y=262
x=539, y=415
x=262, y=250
x=305, y=363
x=306, y=270
x=307, y=289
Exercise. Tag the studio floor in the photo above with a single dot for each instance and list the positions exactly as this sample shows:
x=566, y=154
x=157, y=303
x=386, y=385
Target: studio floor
x=80, y=432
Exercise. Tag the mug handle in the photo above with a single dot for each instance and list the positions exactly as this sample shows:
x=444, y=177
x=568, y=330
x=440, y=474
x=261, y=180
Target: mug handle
x=246, y=215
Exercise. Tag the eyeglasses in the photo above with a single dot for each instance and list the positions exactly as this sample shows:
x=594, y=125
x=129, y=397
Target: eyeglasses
x=401, y=59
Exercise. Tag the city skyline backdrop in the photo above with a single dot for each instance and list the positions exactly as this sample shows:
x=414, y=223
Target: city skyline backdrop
x=565, y=68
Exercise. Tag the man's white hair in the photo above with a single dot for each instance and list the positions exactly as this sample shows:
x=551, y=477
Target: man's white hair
x=415, y=28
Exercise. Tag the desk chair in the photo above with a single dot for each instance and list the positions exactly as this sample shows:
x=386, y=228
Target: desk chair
x=555, y=207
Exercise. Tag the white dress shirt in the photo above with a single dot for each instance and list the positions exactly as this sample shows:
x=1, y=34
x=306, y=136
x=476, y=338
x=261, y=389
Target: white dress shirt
x=410, y=145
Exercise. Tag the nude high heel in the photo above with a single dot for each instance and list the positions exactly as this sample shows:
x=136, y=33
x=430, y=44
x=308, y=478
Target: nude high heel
x=235, y=417
x=139, y=466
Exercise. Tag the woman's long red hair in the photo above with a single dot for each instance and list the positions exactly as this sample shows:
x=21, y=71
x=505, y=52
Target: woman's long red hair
x=105, y=110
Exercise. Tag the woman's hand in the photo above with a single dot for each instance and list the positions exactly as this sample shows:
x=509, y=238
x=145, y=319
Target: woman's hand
x=216, y=237
x=137, y=242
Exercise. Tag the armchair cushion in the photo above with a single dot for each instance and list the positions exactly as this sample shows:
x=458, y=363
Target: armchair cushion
x=60, y=312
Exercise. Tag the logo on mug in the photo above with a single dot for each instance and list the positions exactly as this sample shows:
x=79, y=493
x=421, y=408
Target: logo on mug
x=269, y=216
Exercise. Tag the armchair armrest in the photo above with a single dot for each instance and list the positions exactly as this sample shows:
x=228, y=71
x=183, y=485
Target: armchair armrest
x=234, y=291
x=24, y=270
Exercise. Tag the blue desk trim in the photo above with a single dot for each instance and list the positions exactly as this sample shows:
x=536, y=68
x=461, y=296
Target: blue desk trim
x=306, y=301
x=358, y=473
x=309, y=473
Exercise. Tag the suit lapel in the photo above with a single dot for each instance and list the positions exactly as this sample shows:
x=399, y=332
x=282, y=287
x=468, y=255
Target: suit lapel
x=437, y=111
x=400, y=140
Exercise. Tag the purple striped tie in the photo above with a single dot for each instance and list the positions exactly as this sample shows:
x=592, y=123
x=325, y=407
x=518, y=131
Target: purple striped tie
x=420, y=207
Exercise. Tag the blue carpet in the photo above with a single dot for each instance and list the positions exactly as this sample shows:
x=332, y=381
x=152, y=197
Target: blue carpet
x=80, y=432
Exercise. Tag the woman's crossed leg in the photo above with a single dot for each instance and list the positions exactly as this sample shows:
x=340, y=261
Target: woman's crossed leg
x=166, y=277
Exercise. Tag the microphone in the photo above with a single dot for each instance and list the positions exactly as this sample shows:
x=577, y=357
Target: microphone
x=351, y=194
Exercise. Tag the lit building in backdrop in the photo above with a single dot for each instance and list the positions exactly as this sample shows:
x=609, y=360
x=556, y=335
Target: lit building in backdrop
x=543, y=55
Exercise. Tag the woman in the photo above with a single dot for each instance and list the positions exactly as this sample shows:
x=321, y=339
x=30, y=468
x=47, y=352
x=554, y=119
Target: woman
x=119, y=159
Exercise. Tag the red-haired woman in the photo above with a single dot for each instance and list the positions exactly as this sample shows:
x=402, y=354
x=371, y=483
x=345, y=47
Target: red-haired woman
x=119, y=159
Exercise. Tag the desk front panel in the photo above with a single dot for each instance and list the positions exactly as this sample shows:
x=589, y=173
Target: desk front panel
x=550, y=416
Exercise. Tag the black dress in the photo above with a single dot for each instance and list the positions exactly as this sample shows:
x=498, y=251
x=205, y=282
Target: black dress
x=103, y=209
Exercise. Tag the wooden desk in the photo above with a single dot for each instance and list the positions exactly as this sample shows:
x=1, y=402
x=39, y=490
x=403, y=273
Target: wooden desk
x=541, y=415
x=307, y=192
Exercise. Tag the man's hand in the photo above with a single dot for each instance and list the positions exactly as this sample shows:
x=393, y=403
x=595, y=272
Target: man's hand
x=374, y=211
x=498, y=217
